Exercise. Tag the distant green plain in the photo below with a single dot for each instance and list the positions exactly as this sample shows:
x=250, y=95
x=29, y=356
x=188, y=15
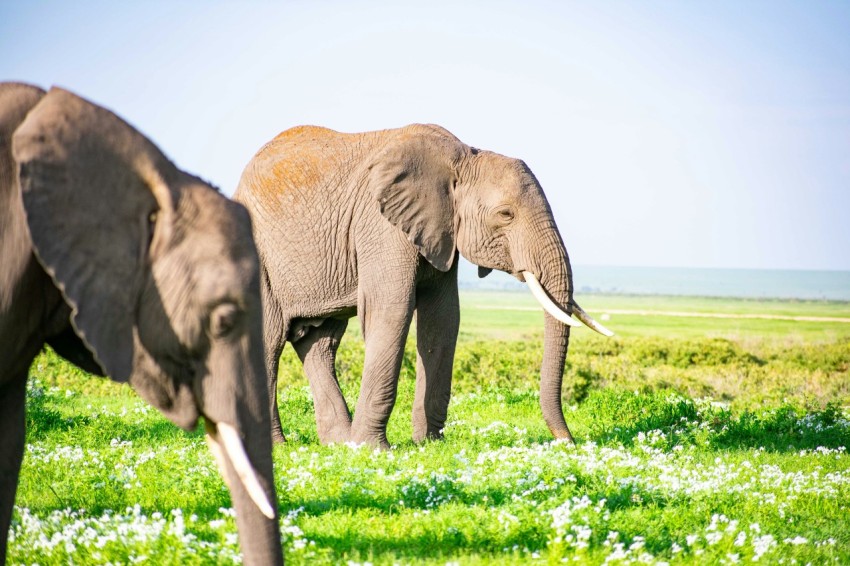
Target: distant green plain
x=510, y=315
x=700, y=440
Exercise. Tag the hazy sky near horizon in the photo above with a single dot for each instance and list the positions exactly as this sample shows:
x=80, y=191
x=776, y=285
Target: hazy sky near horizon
x=686, y=134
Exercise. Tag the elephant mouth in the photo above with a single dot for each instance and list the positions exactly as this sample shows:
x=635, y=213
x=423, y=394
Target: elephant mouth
x=227, y=448
x=174, y=399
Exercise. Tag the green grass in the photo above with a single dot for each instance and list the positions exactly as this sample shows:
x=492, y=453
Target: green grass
x=699, y=440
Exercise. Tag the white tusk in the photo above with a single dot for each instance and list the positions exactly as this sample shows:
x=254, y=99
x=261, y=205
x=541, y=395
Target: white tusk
x=215, y=448
x=579, y=313
x=553, y=309
x=239, y=459
x=544, y=300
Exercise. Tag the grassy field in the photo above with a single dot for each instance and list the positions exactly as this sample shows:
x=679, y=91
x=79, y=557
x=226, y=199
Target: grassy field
x=699, y=440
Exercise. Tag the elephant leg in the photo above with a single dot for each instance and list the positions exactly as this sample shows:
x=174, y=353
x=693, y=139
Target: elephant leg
x=274, y=338
x=437, y=322
x=273, y=353
x=317, y=351
x=385, y=327
x=12, y=425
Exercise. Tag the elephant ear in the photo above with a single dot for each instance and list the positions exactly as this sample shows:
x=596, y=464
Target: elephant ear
x=91, y=186
x=412, y=178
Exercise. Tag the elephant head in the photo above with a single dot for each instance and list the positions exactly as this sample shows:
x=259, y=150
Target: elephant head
x=447, y=197
x=161, y=276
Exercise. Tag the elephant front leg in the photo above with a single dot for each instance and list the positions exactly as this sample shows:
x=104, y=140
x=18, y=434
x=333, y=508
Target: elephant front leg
x=12, y=425
x=317, y=351
x=385, y=328
x=437, y=322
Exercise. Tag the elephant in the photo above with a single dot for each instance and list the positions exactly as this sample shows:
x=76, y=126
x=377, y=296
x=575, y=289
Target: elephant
x=371, y=224
x=130, y=268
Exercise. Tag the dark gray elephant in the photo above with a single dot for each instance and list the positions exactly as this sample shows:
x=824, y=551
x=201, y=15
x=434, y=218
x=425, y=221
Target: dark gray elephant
x=130, y=268
x=371, y=224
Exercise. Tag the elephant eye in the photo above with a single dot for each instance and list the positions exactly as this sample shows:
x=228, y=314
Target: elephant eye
x=152, y=217
x=505, y=215
x=223, y=320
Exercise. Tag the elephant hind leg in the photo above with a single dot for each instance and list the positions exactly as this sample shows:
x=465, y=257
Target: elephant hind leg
x=317, y=351
x=12, y=425
x=273, y=365
x=275, y=327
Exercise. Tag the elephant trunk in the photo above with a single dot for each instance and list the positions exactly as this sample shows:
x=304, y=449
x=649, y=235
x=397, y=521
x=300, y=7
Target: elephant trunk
x=556, y=339
x=555, y=276
x=235, y=404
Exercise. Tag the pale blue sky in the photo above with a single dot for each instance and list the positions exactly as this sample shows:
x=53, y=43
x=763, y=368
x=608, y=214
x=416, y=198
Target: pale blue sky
x=709, y=134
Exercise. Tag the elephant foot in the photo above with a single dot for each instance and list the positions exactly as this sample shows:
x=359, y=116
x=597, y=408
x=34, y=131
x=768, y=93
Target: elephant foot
x=376, y=439
x=277, y=435
x=419, y=437
x=336, y=434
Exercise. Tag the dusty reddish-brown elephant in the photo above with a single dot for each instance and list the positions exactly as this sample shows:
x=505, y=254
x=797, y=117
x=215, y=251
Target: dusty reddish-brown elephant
x=371, y=224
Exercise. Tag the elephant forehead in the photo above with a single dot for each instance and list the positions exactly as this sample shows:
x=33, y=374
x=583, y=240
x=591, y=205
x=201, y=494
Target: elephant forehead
x=496, y=169
x=223, y=280
x=184, y=279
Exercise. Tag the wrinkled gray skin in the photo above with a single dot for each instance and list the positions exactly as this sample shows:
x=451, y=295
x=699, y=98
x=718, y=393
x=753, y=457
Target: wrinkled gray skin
x=131, y=268
x=371, y=224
